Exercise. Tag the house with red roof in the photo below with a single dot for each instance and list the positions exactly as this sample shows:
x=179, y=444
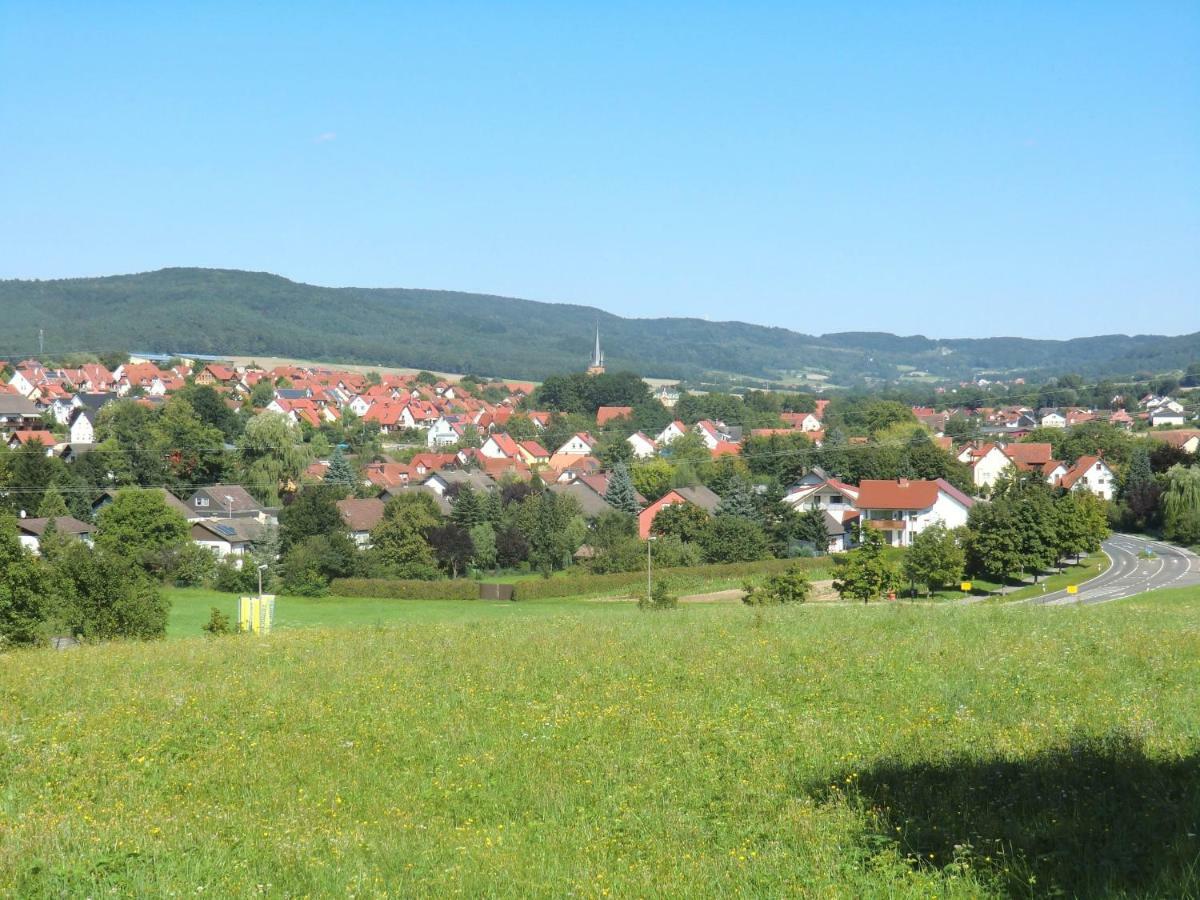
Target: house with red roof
x=500, y=446
x=1090, y=473
x=673, y=430
x=580, y=444
x=643, y=447
x=606, y=414
x=532, y=453
x=903, y=508
x=699, y=496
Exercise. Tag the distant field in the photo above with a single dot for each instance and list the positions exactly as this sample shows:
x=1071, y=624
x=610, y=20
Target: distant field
x=893, y=750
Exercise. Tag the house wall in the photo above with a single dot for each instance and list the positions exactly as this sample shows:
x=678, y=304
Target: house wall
x=1098, y=479
x=82, y=431
x=987, y=471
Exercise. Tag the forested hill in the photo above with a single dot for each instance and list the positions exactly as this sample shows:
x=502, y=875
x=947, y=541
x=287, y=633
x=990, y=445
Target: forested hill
x=221, y=311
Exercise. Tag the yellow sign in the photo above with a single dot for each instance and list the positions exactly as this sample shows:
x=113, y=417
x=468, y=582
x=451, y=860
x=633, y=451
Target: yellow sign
x=256, y=614
x=966, y=585
x=1072, y=589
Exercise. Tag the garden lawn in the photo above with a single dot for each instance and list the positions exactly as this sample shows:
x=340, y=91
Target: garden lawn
x=594, y=750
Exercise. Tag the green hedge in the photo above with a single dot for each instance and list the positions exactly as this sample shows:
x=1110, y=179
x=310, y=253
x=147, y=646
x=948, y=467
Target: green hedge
x=635, y=582
x=567, y=586
x=400, y=589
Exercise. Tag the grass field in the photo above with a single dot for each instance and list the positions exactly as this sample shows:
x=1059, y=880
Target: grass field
x=564, y=749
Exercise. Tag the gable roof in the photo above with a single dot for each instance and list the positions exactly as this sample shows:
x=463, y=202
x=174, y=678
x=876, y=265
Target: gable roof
x=227, y=498
x=1077, y=471
x=1028, y=456
x=64, y=525
x=701, y=496
x=608, y=413
x=361, y=515
x=902, y=493
x=233, y=531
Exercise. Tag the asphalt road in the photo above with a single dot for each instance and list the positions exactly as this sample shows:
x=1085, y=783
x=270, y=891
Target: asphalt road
x=1129, y=574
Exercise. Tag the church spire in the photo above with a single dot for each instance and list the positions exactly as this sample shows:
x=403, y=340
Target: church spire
x=597, y=366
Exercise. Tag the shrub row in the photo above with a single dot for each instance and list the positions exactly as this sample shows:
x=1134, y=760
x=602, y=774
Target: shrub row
x=400, y=589
x=634, y=582
x=568, y=586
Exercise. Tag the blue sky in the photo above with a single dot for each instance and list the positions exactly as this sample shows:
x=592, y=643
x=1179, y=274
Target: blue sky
x=939, y=168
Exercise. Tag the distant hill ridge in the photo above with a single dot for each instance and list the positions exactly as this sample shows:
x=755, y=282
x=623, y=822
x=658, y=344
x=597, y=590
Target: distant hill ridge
x=223, y=311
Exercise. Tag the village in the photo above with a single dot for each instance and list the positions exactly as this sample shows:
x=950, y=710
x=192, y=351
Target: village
x=423, y=435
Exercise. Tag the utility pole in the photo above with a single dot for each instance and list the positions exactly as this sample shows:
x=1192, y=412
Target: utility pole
x=41, y=342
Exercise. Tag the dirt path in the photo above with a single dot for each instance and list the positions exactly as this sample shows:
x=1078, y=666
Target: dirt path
x=822, y=592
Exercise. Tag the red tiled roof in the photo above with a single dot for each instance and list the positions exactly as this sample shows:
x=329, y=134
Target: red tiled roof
x=902, y=493
x=608, y=413
x=1078, y=470
x=1028, y=456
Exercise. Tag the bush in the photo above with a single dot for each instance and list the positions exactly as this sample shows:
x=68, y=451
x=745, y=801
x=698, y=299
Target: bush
x=660, y=598
x=790, y=586
x=218, y=623
x=629, y=555
x=109, y=596
x=193, y=566
x=405, y=589
x=231, y=579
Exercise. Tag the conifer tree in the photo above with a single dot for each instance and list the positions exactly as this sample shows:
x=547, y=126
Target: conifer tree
x=620, y=494
x=340, y=473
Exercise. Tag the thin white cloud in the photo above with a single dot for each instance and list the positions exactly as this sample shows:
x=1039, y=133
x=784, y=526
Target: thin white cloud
x=325, y=137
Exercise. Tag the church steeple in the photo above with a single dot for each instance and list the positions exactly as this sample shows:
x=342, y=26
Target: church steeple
x=597, y=366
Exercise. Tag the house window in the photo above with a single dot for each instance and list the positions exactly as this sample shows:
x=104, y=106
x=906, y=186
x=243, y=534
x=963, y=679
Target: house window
x=201, y=502
x=835, y=501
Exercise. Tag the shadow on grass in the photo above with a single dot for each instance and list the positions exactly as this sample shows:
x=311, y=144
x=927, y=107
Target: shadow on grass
x=1094, y=818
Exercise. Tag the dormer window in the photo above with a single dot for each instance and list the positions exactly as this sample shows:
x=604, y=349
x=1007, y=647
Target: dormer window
x=201, y=502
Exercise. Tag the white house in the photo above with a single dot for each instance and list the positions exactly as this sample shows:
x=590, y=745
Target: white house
x=361, y=516
x=63, y=407
x=1165, y=416
x=1090, y=473
x=988, y=463
x=227, y=537
x=30, y=531
x=580, y=444
x=443, y=432
x=1052, y=418
x=902, y=509
x=816, y=490
x=710, y=433
x=643, y=447
x=673, y=430
x=81, y=427
x=500, y=446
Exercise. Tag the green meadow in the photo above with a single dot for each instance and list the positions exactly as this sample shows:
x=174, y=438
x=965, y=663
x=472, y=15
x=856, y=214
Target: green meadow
x=583, y=749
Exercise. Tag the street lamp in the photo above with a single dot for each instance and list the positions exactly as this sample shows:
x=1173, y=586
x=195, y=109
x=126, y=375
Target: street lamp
x=229, y=506
x=649, y=582
x=261, y=569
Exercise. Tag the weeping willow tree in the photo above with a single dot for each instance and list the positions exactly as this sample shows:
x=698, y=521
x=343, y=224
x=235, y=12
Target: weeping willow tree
x=1181, y=505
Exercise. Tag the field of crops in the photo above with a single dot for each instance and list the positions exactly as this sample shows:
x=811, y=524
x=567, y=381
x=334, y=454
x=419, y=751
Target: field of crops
x=595, y=750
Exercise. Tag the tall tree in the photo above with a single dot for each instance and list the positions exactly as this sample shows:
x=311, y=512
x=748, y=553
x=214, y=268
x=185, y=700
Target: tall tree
x=935, y=559
x=272, y=457
x=139, y=525
x=340, y=473
x=469, y=508
x=620, y=494
x=1181, y=505
x=865, y=573
x=1139, y=490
